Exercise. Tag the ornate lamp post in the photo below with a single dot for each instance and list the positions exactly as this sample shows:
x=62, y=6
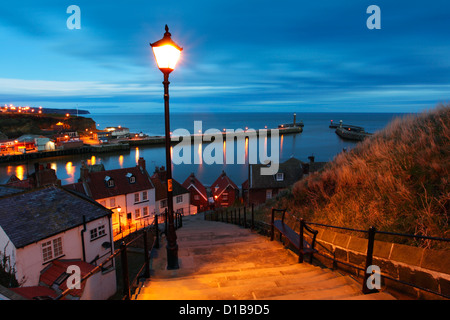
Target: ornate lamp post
x=167, y=53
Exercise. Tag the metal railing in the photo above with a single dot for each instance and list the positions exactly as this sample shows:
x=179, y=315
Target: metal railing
x=144, y=271
x=232, y=215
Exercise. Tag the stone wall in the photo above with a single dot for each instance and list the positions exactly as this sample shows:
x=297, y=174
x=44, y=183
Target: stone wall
x=425, y=268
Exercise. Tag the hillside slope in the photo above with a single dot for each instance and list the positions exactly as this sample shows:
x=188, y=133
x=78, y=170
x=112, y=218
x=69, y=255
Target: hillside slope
x=397, y=180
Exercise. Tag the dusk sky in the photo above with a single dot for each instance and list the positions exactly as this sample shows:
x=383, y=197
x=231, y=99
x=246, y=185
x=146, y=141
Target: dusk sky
x=239, y=55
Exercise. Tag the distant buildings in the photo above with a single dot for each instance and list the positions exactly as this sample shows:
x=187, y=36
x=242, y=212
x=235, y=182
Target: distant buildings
x=260, y=188
x=128, y=192
x=181, y=195
x=224, y=191
x=198, y=193
x=45, y=230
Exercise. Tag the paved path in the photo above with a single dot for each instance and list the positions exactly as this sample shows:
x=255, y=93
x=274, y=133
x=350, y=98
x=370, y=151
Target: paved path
x=220, y=261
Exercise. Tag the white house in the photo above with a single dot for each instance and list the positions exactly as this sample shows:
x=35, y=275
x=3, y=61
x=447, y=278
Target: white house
x=181, y=195
x=45, y=230
x=129, y=192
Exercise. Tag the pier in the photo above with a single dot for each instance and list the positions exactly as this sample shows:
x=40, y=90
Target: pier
x=126, y=144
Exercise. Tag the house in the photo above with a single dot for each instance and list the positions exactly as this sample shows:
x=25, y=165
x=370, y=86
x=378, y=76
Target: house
x=38, y=142
x=181, y=196
x=264, y=187
x=260, y=188
x=118, y=132
x=129, y=192
x=45, y=230
x=199, y=195
x=41, y=176
x=224, y=191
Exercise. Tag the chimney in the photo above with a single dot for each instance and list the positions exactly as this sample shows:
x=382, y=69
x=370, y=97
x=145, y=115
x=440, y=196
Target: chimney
x=84, y=172
x=311, y=159
x=141, y=163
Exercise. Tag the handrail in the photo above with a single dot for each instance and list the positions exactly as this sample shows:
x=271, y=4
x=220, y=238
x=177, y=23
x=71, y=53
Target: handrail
x=122, y=251
x=369, y=253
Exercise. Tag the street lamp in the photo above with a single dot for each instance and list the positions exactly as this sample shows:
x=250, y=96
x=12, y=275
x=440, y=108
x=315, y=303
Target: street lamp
x=167, y=53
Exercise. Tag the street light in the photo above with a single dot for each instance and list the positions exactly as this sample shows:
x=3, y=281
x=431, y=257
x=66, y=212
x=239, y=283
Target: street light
x=167, y=53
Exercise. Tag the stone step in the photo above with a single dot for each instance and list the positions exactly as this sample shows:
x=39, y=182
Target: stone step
x=314, y=288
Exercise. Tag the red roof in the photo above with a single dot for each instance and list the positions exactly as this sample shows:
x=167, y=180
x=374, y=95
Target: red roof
x=96, y=185
x=193, y=182
x=221, y=184
x=50, y=274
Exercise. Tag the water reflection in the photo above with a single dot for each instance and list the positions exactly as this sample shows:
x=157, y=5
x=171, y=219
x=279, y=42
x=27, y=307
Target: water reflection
x=68, y=167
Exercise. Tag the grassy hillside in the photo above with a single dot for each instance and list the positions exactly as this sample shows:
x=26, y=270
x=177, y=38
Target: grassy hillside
x=14, y=124
x=397, y=180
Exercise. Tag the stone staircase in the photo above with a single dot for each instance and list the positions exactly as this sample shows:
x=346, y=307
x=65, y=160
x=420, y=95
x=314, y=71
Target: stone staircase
x=221, y=261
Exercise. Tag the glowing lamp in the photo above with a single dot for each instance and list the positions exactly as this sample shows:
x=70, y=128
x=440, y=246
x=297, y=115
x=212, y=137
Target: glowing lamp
x=167, y=53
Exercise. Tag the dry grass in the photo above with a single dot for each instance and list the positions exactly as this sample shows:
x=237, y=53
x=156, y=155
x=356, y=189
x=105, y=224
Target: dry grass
x=397, y=180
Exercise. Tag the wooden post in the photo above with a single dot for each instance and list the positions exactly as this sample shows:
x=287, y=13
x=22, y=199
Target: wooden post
x=272, y=230
x=300, y=251
x=369, y=260
x=253, y=218
x=146, y=255
x=245, y=217
x=125, y=275
x=239, y=216
x=157, y=232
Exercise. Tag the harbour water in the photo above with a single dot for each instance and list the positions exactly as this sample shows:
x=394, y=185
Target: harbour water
x=316, y=139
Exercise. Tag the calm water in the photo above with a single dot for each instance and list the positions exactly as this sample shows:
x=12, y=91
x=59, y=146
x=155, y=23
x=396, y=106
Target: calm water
x=316, y=139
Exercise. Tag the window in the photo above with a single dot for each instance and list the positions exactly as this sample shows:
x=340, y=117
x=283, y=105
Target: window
x=269, y=194
x=196, y=197
x=145, y=211
x=179, y=199
x=137, y=213
x=280, y=176
x=144, y=196
x=112, y=202
x=131, y=178
x=225, y=196
x=163, y=203
x=136, y=197
x=52, y=249
x=98, y=232
x=109, y=181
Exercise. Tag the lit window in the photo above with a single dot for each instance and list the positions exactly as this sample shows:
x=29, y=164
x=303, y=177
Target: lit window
x=137, y=213
x=145, y=211
x=280, y=176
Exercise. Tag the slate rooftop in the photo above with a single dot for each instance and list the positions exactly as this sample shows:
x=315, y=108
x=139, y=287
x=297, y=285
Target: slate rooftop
x=31, y=216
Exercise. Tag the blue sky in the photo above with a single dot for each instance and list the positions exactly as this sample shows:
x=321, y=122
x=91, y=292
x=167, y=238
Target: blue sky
x=269, y=56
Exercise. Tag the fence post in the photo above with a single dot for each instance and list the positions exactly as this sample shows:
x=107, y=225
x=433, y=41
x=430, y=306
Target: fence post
x=157, y=231
x=253, y=218
x=181, y=220
x=239, y=216
x=245, y=217
x=300, y=250
x=369, y=260
x=125, y=275
x=146, y=255
x=272, y=231
x=166, y=225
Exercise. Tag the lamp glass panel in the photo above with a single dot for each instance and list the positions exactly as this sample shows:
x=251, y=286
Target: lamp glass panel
x=166, y=56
